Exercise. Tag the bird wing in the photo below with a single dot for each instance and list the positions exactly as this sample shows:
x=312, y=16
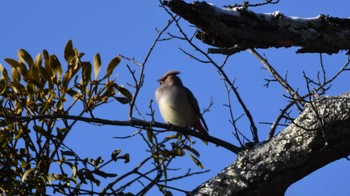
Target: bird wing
x=194, y=103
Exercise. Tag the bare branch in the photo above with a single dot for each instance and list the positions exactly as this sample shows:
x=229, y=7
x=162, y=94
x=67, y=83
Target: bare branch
x=279, y=118
x=275, y=74
x=133, y=123
x=233, y=121
x=141, y=76
x=207, y=109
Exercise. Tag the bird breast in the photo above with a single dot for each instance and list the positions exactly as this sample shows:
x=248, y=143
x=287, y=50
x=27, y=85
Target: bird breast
x=175, y=107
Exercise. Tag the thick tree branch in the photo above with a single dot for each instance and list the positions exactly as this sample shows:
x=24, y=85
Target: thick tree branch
x=320, y=135
x=133, y=123
x=238, y=29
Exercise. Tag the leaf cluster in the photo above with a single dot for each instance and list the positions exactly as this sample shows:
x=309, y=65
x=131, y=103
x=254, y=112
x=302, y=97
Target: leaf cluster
x=32, y=152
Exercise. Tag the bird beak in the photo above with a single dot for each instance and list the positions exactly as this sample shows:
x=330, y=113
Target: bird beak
x=159, y=81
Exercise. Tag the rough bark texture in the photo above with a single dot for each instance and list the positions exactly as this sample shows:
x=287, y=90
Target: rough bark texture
x=320, y=135
x=236, y=30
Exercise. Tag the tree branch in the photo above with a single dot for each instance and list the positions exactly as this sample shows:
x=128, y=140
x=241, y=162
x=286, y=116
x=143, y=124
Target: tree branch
x=238, y=29
x=133, y=123
x=318, y=136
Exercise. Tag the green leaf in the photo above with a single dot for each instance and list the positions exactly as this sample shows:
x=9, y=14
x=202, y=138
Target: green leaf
x=35, y=82
x=24, y=56
x=111, y=66
x=168, y=193
x=196, y=161
x=60, y=132
x=72, y=93
x=44, y=74
x=126, y=157
x=24, y=177
x=15, y=75
x=125, y=92
x=40, y=131
x=97, y=64
x=60, y=104
x=17, y=87
x=34, y=75
x=104, y=174
x=67, y=153
x=88, y=175
x=55, y=66
x=172, y=136
x=195, y=152
x=66, y=78
x=30, y=89
x=165, y=172
x=47, y=179
x=38, y=60
x=179, y=152
x=22, y=69
x=59, y=71
x=12, y=62
x=18, y=66
x=81, y=177
x=74, y=169
x=69, y=52
x=4, y=74
x=98, y=161
x=115, y=154
x=46, y=55
x=3, y=86
x=150, y=136
x=87, y=69
x=4, y=80
x=122, y=100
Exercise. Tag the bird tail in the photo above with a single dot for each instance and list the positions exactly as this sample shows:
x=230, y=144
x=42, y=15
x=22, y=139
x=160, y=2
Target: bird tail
x=199, y=127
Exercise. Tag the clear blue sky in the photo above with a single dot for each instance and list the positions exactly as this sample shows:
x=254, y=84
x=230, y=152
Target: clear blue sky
x=128, y=28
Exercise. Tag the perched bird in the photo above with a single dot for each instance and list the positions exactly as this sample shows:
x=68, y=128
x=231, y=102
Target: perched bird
x=177, y=104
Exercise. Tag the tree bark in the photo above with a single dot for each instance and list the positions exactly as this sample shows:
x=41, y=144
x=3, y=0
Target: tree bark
x=317, y=137
x=235, y=30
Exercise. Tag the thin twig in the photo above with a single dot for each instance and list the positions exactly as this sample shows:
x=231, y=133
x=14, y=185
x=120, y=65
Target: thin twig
x=143, y=64
x=275, y=74
x=279, y=118
x=233, y=121
x=247, y=4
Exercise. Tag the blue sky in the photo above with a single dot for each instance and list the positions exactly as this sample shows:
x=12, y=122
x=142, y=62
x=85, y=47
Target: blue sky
x=128, y=27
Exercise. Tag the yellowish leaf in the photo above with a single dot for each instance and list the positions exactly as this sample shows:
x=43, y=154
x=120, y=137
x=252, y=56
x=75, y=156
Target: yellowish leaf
x=69, y=52
x=112, y=65
x=12, y=62
x=38, y=60
x=24, y=56
x=97, y=65
x=125, y=92
x=25, y=175
x=196, y=161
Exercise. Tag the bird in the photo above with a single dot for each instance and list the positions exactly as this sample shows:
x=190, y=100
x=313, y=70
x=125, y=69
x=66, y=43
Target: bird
x=177, y=104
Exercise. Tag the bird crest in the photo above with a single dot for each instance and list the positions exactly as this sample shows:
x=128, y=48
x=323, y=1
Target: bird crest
x=173, y=72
